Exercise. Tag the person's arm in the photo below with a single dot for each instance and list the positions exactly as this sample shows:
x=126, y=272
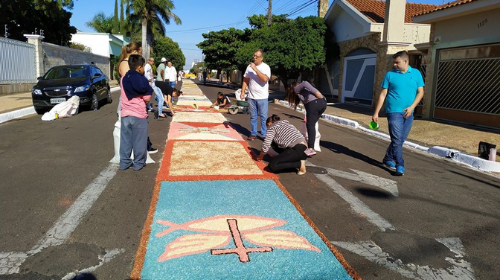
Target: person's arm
x=263, y=77
x=244, y=87
x=123, y=68
x=409, y=110
x=267, y=142
x=380, y=102
x=169, y=102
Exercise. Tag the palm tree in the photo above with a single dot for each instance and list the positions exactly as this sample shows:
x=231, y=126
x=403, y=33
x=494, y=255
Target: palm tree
x=152, y=14
x=101, y=23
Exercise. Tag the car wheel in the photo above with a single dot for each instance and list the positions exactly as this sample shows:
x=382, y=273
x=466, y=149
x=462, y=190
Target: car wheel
x=40, y=111
x=109, y=97
x=95, y=102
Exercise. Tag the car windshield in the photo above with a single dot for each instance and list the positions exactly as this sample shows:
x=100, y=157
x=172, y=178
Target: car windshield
x=66, y=72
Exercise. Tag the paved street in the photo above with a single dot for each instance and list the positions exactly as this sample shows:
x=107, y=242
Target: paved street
x=65, y=208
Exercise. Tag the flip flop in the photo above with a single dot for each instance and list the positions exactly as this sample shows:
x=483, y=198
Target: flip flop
x=163, y=116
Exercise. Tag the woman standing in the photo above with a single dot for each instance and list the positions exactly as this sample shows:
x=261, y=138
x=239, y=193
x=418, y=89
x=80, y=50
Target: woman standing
x=315, y=104
x=287, y=137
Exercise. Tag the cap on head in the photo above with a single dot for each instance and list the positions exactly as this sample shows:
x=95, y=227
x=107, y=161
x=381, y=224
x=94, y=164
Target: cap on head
x=163, y=59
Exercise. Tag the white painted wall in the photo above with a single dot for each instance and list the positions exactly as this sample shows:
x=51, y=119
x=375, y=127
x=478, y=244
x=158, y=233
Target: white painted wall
x=347, y=28
x=483, y=24
x=98, y=42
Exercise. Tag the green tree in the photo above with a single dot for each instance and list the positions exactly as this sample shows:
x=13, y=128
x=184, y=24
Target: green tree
x=167, y=48
x=101, y=23
x=152, y=14
x=220, y=48
x=28, y=17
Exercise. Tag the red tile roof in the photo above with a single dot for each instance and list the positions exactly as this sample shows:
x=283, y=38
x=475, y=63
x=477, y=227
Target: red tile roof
x=445, y=6
x=375, y=9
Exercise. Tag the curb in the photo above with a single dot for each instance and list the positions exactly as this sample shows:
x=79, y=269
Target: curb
x=17, y=114
x=454, y=155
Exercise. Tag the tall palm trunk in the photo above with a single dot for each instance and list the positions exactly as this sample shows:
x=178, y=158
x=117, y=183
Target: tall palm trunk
x=145, y=45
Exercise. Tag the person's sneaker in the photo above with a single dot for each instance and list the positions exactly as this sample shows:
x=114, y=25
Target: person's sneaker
x=310, y=152
x=152, y=151
x=400, y=170
x=390, y=164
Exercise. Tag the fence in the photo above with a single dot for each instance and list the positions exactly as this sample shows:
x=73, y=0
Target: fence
x=17, y=62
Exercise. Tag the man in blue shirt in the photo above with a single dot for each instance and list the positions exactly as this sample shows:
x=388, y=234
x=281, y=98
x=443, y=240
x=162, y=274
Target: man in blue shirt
x=402, y=90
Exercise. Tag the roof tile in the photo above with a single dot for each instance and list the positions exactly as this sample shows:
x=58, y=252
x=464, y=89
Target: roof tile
x=375, y=9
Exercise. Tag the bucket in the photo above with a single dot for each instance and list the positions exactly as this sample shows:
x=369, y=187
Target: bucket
x=373, y=125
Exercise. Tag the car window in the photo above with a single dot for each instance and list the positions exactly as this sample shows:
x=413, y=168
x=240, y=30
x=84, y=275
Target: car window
x=65, y=72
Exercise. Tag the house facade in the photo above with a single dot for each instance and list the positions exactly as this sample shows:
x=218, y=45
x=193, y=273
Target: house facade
x=368, y=33
x=463, y=77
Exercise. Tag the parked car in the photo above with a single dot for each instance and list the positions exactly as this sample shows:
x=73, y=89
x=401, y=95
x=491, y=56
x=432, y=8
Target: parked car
x=189, y=76
x=62, y=82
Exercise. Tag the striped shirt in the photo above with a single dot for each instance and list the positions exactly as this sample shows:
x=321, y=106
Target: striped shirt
x=284, y=134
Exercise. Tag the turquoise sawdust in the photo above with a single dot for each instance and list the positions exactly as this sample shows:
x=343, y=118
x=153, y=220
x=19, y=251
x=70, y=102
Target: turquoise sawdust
x=185, y=211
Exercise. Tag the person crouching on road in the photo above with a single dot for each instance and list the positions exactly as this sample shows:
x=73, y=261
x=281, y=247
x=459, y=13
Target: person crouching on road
x=315, y=104
x=222, y=101
x=135, y=93
x=287, y=137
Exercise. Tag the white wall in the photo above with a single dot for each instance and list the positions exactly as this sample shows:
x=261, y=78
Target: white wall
x=98, y=42
x=483, y=24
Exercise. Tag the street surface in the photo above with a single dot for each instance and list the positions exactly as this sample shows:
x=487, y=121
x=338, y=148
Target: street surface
x=65, y=209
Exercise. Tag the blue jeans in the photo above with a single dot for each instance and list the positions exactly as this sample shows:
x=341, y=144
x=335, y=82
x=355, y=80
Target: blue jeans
x=258, y=108
x=133, y=136
x=399, y=128
x=172, y=84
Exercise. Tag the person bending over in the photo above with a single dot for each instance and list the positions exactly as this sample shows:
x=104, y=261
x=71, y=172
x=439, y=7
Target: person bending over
x=287, y=137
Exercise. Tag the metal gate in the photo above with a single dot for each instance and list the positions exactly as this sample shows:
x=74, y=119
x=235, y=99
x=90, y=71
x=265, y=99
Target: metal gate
x=359, y=76
x=17, y=62
x=468, y=85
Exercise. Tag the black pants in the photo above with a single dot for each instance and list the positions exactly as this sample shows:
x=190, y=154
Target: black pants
x=288, y=158
x=314, y=110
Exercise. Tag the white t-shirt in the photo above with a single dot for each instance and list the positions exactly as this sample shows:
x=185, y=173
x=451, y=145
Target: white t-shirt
x=258, y=89
x=148, y=72
x=170, y=74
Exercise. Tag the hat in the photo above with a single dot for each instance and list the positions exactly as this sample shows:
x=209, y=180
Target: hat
x=163, y=59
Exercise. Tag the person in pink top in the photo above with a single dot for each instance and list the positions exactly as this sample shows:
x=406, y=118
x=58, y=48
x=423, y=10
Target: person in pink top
x=135, y=93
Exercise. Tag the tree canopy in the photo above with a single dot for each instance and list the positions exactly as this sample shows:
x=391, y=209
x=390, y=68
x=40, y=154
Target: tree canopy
x=220, y=48
x=167, y=48
x=30, y=17
x=290, y=46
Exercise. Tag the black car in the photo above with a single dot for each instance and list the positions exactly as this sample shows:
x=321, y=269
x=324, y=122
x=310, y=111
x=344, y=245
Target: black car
x=62, y=82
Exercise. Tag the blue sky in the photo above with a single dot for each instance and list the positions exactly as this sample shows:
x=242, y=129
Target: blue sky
x=202, y=16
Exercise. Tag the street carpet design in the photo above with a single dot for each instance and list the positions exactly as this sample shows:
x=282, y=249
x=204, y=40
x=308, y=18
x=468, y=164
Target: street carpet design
x=184, y=131
x=217, y=214
x=233, y=230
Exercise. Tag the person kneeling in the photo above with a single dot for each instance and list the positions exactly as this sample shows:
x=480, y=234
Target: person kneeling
x=288, y=138
x=222, y=101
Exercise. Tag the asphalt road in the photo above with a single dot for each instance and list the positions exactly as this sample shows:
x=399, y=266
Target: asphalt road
x=65, y=208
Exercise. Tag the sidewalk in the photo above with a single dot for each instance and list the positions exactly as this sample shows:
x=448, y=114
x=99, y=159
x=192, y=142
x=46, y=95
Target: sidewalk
x=457, y=142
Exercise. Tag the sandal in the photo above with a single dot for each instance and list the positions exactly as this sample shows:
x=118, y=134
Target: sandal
x=162, y=116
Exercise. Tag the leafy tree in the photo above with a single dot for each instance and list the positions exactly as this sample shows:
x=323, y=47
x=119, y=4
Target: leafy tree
x=101, y=23
x=220, y=48
x=290, y=46
x=151, y=14
x=167, y=48
x=29, y=17
x=79, y=46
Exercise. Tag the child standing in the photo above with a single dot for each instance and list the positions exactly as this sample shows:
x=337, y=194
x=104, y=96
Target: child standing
x=135, y=93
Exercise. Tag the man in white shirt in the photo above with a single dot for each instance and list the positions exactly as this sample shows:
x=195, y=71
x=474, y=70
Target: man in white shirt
x=170, y=74
x=256, y=78
x=148, y=73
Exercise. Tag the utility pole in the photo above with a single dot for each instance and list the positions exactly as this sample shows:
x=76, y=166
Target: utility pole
x=270, y=13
